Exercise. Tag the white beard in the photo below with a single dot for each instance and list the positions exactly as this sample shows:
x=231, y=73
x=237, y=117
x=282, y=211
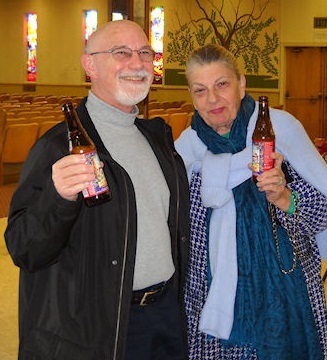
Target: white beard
x=129, y=98
x=129, y=95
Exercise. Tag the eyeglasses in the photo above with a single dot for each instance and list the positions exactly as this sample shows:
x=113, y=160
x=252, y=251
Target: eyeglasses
x=125, y=53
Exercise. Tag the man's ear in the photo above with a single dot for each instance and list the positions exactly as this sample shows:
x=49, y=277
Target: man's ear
x=88, y=64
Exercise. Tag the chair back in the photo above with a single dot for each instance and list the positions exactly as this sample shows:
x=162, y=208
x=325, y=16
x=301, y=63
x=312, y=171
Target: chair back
x=166, y=117
x=17, y=142
x=17, y=120
x=42, y=118
x=173, y=110
x=45, y=126
x=3, y=121
x=155, y=112
x=178, y=122
x=29, y=114
x=187, y=107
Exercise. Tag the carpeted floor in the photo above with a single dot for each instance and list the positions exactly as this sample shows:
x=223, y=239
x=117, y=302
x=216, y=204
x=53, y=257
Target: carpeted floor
x=9, y=275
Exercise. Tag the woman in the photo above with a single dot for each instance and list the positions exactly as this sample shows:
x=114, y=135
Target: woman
x=254, y=289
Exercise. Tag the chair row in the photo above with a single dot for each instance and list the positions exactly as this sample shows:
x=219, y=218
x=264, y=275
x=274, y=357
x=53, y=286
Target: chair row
x=34, y=117
x=185, y=106
x=178, y=121
x=17, y=141
x=32, y=99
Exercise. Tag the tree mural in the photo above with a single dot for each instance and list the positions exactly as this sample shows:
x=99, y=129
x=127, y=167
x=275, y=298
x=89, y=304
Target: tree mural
x=228, y=23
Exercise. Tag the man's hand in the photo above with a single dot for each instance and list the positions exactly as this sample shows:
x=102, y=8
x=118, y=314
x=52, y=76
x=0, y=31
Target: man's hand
x=71, y=175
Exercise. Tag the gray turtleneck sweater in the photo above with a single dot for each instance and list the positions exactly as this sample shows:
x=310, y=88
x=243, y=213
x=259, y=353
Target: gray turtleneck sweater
x=131, y=150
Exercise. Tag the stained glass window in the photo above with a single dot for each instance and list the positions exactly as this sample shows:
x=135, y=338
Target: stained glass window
x=117, y=16
x=31, y=39
x=156, y=40
x=91, y=24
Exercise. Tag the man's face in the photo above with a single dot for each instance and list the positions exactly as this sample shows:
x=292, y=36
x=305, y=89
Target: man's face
x=117, y=79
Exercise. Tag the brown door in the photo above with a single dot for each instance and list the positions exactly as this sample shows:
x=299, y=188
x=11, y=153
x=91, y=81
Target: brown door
x=306, y=88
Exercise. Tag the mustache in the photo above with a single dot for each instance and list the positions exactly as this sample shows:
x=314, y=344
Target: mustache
x=140, y=75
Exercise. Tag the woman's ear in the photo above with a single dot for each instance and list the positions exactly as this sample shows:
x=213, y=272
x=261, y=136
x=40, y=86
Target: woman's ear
x=242, y=86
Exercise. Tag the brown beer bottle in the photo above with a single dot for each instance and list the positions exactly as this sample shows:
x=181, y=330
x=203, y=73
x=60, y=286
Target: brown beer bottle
x=80, y=143
x=263, y=140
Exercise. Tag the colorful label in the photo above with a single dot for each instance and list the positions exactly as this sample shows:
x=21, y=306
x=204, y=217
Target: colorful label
x=261, y=160
x=99, y=184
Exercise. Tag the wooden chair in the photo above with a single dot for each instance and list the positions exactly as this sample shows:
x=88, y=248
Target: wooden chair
x=166, y=117
x=10, y=114
x=27, y=97
x=178, y=123
x=47, y=107
x=187, y=107
x=4, y=97
x=77, y=100
x=52, y=99
x=39, y=99
x=16, y=111
x=17, y=97
x=3, y=123
x=153, y=105
x=17, y=120
x=64, y=99
x=189, y=119
x=29, y=114
x=39, y=104
x=175, y=104
x=155, y=112
x=10, y=107
x=174, y=110
x=11, y=101
x=56, y=113
x=17, y=142
x=166, y=104
x=42, y=118
x=45, y=126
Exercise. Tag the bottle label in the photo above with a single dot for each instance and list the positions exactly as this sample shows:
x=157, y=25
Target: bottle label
x=261, y=160
x=99, y=184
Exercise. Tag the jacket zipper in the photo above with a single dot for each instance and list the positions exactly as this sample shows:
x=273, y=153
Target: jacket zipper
x=177, y=193
x=122, y=274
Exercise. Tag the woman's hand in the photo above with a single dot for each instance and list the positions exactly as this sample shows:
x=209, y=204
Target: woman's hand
x=273, y=183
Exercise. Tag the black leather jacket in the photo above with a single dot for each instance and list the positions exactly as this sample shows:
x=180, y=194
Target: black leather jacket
x=77, y=262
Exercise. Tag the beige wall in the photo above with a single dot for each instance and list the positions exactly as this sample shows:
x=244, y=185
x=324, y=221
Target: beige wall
x=297, y=22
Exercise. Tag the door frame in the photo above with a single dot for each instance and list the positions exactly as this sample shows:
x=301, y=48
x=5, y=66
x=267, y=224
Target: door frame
x=282, y=77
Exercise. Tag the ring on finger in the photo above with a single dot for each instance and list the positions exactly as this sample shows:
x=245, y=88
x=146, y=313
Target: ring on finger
x=281, y=180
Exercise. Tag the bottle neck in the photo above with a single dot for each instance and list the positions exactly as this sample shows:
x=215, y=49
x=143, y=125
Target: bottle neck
x=263, y=109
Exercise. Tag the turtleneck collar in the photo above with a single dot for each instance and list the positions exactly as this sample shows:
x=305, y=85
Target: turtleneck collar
x=104, y=114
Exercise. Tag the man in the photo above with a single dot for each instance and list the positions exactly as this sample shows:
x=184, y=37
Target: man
x=104, y=282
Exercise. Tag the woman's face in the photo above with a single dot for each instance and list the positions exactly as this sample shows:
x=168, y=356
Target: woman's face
x=216, y=93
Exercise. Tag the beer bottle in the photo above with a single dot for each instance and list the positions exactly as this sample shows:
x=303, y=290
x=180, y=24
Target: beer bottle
x=263, y=140
x=80, y=143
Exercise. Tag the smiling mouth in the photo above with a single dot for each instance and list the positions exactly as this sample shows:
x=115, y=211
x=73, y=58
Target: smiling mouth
x=216, y=111
x=134, y=78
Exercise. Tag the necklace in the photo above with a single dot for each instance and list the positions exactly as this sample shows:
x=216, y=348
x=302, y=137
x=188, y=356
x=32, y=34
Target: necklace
x=292, y=234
